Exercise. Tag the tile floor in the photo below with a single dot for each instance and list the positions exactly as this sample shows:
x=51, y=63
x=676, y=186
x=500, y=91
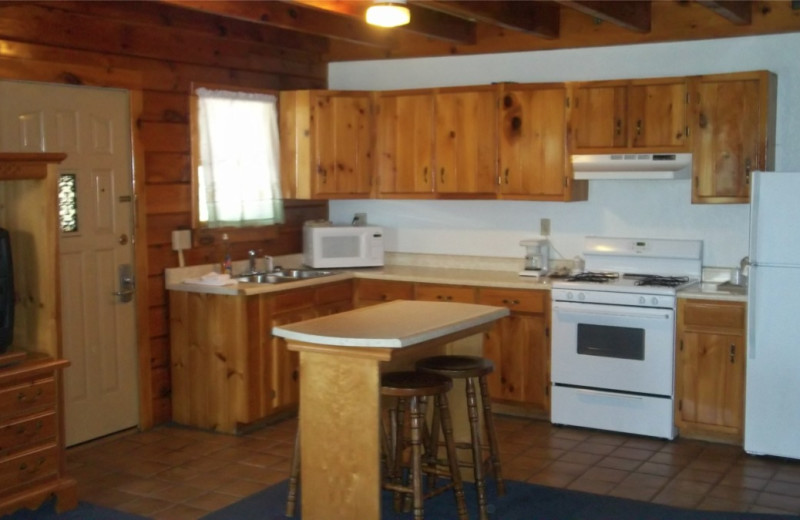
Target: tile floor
x=177, y=473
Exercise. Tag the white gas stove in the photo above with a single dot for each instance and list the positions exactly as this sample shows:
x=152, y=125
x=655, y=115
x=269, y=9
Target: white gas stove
x=613, y=334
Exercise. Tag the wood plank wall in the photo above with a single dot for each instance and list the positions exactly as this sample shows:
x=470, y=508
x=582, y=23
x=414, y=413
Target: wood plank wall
x=159, y=50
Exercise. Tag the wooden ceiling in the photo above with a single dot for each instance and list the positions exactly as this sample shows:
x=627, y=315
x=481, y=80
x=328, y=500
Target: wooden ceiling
x=459, y=27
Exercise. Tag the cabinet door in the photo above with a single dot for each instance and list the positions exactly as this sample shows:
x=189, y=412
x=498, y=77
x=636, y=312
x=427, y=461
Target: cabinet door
x=342, y=143
x=710, y=380
x=404, y=142
x=532, y=146
x=657, y=115
x=285, y=363
x=732, y=121
x=465, y=149
x=598, y=116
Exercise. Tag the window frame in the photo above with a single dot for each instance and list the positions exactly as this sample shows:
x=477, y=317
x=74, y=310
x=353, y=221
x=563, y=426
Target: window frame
x=205, y=235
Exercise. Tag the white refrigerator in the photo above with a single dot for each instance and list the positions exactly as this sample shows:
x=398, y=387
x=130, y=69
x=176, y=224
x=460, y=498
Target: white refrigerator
x=772, y=405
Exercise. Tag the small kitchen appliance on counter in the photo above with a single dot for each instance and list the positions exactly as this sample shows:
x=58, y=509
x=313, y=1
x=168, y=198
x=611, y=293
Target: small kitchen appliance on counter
x=537, y=257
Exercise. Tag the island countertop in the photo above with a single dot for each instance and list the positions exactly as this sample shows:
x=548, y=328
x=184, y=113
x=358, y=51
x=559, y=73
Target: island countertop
x=396, y=324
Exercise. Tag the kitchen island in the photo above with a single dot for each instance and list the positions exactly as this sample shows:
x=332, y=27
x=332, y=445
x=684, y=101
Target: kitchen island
x=341, y=358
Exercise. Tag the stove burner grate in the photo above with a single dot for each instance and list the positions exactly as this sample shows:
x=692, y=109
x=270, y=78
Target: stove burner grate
x=594, y=277
x=662, y=281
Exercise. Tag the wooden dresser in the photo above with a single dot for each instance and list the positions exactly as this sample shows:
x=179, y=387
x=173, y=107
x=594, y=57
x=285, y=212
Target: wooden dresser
x=32, y=453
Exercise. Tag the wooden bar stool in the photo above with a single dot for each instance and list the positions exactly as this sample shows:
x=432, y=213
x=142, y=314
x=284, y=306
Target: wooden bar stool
x=414, y=388
x=471, y=368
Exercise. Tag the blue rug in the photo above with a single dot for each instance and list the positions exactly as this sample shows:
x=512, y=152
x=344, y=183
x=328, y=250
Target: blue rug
x=84, y=511
x=521, y=502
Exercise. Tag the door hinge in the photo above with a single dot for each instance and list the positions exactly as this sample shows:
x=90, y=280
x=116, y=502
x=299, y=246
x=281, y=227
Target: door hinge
x=566, y=102
x=680, y=405
x=681, y=345
x=566, y=182
x=547, y=332
x=547, y=390
x=687, y=130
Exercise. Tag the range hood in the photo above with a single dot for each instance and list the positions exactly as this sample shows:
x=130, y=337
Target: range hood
x=633, y=166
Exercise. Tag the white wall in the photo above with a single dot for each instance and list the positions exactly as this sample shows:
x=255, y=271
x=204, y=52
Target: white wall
x=657, y=209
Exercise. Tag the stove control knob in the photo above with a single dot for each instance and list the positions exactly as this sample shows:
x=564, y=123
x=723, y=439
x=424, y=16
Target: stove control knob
x=654, y=301
x=581, y=296
x=642, y=300
x=570, y=295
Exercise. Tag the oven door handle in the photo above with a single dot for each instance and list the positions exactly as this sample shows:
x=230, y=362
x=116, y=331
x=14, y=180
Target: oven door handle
x=647, y=315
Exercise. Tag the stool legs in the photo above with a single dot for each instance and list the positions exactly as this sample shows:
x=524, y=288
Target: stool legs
x=294, y=477
x=494, y=452
x=477, y=458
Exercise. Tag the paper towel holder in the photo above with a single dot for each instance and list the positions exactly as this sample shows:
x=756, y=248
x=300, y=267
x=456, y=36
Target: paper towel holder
x=181, y=239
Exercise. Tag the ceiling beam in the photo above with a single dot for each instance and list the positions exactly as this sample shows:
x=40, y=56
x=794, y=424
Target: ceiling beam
x=424, y=22
x=541, y=19
x=633, y=15
x=293, y=17
x=735, y=11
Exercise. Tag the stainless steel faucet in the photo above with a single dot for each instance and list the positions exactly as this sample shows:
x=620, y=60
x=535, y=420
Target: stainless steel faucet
x=251, y=256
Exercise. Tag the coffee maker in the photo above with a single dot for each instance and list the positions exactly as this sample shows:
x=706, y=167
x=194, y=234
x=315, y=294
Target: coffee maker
x=537, y=257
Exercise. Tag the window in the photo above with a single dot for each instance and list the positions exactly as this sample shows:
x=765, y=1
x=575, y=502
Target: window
x=237, y=159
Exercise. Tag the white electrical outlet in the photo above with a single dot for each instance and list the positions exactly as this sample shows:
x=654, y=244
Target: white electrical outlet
x=544, y=227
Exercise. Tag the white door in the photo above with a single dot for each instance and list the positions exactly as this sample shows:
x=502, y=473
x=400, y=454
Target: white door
x=92, y=126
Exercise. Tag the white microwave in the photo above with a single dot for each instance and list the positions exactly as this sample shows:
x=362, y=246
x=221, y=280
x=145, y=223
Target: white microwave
x=342, y=246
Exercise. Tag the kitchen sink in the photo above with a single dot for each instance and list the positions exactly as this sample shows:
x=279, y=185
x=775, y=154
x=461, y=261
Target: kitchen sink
x=283, y=276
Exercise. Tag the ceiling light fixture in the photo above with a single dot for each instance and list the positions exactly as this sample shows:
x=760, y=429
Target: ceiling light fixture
x=388, y=14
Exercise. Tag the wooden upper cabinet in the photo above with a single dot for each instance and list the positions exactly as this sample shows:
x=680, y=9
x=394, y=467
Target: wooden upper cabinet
x=733, y=128
x=643, y=115
x=465, y=145
x=404, y=142
x=326, y=144
x=532, y=147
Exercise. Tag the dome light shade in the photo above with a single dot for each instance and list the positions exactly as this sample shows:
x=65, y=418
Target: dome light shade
x=388, y=14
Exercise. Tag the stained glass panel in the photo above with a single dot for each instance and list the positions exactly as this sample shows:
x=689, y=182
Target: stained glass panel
x=68, y=202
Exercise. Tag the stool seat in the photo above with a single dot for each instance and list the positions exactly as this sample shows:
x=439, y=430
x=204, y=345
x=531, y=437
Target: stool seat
x=456, y=366
x=408, y=384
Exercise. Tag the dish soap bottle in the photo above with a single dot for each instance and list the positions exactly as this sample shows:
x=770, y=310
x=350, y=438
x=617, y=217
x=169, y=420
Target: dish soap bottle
x=226, y=258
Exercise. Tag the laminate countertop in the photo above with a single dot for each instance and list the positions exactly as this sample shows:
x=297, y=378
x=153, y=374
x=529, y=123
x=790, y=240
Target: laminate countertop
x=423, y=274
x=397, y=324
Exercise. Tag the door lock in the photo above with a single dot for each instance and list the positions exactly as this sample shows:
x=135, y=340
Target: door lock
x=126, y=284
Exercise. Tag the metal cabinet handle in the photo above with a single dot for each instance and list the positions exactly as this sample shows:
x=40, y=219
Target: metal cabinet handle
x=23, y=397
x=442, y=175
x=425, y=175
x=732, y=353
x=638, y=127
x=618, y=127
x=748, y=166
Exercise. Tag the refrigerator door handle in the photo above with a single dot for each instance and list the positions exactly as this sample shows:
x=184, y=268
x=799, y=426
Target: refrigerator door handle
x=751, y=311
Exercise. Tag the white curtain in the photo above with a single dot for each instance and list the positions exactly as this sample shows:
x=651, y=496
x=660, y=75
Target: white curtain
x=239, y=180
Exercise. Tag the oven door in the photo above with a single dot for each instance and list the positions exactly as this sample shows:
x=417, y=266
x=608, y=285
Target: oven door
x=612, y=347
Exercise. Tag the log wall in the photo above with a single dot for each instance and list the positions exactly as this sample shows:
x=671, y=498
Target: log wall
x=157, y=51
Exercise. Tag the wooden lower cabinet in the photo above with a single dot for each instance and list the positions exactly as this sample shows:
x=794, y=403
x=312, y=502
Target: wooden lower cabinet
x=519, y=347
x=228, y=371
x=32, y=460
x=710, y=370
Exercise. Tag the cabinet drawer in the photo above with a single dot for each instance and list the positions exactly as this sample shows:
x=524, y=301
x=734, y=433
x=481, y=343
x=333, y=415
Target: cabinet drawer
x=516, y=300
x=28, y=467
x=335, y=292
x=27, y=431
x=715, y=315
x=293, y=299
x=445, y=293
x=35, y=396
x=379, y=290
